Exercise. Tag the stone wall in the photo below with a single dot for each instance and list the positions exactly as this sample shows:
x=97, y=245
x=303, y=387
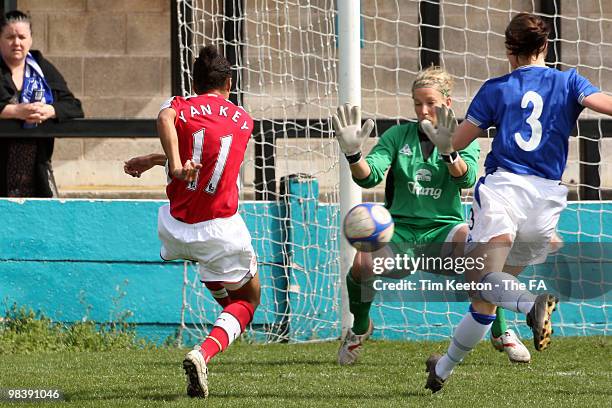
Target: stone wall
x=115, y=56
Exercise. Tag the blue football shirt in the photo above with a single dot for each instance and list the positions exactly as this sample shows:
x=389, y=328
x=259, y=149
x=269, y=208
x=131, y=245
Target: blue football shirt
x=534, y=109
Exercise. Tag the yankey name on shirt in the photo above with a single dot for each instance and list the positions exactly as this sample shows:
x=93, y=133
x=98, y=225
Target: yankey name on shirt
x=222, y=111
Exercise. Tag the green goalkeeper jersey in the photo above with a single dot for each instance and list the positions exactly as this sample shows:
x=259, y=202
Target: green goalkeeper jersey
x=419, y=193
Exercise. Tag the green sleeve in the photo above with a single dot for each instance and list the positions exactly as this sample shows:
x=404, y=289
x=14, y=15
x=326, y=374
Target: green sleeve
x=379, y=159
x=470, y=157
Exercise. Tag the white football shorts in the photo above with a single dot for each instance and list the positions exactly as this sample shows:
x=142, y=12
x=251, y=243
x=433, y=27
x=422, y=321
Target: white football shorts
x=526, y=207
x=222, y=247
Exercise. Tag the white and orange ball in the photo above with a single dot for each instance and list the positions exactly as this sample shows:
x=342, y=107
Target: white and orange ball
x=368, y=227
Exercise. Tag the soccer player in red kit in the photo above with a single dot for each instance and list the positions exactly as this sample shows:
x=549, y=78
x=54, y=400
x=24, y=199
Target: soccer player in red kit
x=204, y=138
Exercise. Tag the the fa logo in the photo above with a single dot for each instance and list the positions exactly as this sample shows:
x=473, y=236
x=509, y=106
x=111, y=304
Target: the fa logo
x=422, y=175
x=406, y=150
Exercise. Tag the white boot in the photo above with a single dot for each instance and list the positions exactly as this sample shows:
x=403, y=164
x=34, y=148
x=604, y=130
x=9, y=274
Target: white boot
x=513, y=346
x=351, y=346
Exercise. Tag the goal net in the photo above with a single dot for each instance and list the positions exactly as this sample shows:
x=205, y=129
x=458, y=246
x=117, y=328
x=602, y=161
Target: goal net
x=286, y=58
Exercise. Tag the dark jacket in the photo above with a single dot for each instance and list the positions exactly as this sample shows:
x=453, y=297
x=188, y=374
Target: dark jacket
x=66, y=107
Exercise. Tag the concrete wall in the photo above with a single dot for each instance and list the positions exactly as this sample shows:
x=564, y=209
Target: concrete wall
x=115, y=56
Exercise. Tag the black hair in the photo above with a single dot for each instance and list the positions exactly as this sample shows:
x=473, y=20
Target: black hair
x=526, y=35
x=14, y=16
x=210, y=70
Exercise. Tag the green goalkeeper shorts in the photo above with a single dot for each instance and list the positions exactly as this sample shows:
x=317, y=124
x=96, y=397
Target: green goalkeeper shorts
x=418, y=243
x=403, y=234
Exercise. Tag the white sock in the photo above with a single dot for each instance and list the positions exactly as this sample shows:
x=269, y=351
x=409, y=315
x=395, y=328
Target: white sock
x=467, y=334
x=506, y=293
x=525, y=306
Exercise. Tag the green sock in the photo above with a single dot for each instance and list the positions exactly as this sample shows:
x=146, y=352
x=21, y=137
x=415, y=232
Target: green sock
x=499, y=326
x=359, y=309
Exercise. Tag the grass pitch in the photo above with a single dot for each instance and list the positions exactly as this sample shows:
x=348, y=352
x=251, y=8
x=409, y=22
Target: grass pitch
x=574, y=372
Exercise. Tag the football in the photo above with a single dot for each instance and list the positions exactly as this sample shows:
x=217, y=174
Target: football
x=368, y=227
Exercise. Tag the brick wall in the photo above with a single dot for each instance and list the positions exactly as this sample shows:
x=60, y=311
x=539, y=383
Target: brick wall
x=114, y=54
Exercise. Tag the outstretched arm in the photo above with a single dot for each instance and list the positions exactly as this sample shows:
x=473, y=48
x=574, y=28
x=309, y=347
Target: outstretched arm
x=138, y=165
x=465, y=134
x=360, y=170
x=346, y=122
x=450, y=138
x=599, y=102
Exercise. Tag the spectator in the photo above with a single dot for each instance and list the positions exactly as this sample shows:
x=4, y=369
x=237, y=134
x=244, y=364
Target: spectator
x=31, y=90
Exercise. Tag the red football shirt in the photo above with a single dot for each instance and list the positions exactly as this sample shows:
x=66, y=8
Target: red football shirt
x=214, y=132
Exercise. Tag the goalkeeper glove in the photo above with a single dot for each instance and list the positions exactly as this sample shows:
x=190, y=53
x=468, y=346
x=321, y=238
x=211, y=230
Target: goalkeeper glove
x=350, y=137
x=441, y=135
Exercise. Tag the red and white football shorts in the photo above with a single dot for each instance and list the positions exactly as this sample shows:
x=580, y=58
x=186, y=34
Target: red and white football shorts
x=221, y=246
x=526, y=207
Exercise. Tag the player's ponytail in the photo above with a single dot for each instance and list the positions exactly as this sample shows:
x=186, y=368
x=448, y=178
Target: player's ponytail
x=526, y=35
x=210, y=70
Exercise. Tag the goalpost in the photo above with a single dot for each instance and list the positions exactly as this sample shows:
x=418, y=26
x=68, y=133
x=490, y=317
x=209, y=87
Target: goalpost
x=295, y=61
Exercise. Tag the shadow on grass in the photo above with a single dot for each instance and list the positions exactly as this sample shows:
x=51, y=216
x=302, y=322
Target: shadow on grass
x=248, y=363
x=122, y=396
x=590, y=391
x=241, y=365
x=148, y=395
x=307, y=396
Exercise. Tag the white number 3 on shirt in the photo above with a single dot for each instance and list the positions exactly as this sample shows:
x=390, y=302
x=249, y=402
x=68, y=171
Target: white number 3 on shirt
x=532, y=142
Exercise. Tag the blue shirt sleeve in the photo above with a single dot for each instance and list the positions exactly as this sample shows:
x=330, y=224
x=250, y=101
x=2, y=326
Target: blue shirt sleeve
x=481, y=113
x=581, y=87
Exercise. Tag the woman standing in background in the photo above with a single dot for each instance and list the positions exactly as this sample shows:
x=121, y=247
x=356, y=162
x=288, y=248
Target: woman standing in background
x=31, y=90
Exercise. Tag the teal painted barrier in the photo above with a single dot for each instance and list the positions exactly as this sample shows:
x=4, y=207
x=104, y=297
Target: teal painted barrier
x=79, y=259
x=75, y=259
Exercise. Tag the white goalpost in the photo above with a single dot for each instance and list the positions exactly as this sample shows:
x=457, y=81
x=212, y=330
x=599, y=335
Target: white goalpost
x=349, y=91
x=295, y=61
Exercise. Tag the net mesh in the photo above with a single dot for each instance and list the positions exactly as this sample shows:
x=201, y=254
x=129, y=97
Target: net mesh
x=287, y=54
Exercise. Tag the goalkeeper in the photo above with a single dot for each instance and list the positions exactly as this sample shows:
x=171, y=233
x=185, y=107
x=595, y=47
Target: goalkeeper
x=423, y=195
